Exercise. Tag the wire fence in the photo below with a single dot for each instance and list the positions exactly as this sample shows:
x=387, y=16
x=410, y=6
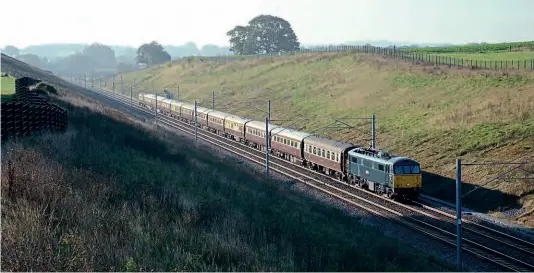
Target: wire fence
x=395, y=53
x=28, y=112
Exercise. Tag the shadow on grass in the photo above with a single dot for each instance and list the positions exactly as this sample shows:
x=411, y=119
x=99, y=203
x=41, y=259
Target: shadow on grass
x=482, y=200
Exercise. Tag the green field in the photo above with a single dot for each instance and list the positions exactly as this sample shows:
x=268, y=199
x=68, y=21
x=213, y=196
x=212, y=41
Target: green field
x=495, y=56
x=7, y=88
x=498, y=47
x=430, y=114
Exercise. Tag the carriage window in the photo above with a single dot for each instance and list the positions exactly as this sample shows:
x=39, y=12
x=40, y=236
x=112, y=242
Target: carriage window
x=380, y=167
x=322, y=152
x=328, y=154
x=285, y=141
x=337, y=157
x=314, y=150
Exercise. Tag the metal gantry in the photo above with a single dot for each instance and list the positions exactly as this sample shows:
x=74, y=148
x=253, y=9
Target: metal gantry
x=459, y=195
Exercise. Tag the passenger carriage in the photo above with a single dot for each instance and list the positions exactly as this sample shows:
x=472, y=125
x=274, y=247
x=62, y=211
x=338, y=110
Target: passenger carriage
x=234, y=127
x=186, y=112
x=164, y=105
x=175, y=108
x=255, y=134
x=288, y=144
x=326, y=155
x=202, y=116
x=146, y=100
x=216, y=121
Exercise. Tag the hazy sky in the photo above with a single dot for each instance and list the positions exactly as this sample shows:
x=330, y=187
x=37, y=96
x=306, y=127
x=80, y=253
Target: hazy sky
x=121, y=22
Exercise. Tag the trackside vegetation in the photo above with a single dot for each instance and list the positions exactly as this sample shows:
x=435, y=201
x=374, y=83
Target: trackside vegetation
x=111, y=195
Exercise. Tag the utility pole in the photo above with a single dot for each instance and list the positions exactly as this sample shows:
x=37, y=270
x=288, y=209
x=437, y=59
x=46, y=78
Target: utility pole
x=84, y=81
x=122, y=86
x=113, y=89
x=178, y=97
x=156, y=112
x=213, y=99
x=373, y=125
x=269, y=110
x=267, y=147
x=133, y=85
x=131, y=96
x=196, y=127
x=459, y=213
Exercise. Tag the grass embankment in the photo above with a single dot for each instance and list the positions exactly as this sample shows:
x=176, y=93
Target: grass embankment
x=7, y=88
x=430, y=114
x=109, y=196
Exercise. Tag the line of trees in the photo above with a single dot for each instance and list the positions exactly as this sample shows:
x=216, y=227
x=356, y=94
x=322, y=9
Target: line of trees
x=264, y=34
x=96, y=59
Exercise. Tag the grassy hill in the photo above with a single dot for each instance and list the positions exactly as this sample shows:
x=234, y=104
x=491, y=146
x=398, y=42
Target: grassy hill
x=112, y=194
x=431, y=114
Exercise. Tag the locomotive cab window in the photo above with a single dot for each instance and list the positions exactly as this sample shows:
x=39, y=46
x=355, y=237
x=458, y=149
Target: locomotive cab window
x=353, y=159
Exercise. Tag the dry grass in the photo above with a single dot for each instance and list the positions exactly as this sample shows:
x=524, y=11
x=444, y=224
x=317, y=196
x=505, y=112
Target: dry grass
x=112, y=195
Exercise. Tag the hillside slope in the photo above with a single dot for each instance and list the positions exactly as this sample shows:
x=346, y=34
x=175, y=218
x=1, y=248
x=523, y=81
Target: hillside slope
x=431, y=114
x=116, y=194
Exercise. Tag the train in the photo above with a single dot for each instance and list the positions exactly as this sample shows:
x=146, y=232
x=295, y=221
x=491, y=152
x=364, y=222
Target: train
x=396, y=177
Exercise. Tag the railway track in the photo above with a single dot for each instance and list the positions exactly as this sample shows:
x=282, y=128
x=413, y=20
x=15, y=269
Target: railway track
x=490, y=244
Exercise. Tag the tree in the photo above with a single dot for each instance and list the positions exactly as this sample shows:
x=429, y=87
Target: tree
x=264, y=34
x=11, y=51
x=102, y=56
x=152, y=54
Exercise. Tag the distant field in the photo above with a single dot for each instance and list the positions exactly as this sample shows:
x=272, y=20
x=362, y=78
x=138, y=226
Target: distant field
x=7, y=88
x=529, y=45
x=494, y=56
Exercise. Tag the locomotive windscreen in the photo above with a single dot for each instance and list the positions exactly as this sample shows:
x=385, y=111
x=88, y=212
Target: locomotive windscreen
x=407, y=169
